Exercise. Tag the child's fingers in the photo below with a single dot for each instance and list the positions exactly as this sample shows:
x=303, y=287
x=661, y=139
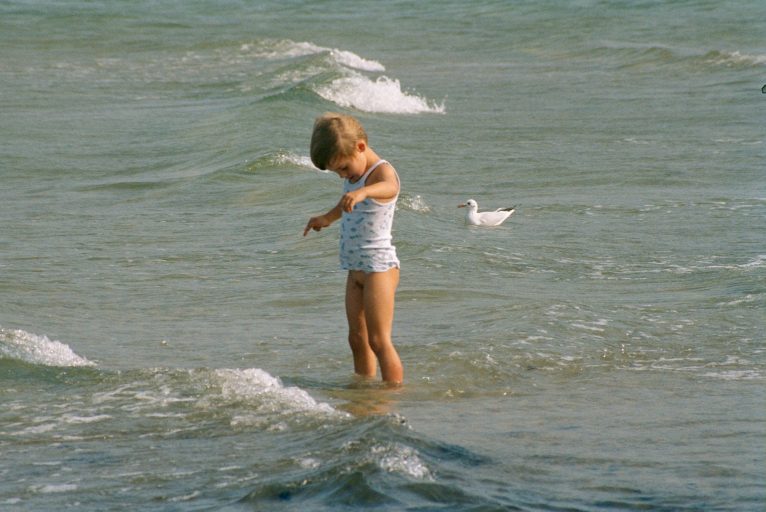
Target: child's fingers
x=348, y=204
x=314, y=224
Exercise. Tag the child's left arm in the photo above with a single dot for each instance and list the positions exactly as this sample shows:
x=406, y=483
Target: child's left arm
x=382, y=185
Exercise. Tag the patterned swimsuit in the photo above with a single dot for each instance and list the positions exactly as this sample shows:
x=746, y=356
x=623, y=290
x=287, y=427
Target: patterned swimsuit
x=365, y=233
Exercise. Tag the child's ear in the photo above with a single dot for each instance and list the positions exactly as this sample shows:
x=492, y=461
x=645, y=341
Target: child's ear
x=361, y=146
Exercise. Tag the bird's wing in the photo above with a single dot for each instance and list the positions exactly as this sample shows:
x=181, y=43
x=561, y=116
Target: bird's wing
x=493, y=218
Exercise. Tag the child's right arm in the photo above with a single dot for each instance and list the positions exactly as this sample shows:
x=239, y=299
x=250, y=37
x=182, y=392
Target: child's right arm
x=323, y=221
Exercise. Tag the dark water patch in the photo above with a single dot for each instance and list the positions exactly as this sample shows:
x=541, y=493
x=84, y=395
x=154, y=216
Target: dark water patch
x=328, y=491
x=373, y=462
x=15, y=373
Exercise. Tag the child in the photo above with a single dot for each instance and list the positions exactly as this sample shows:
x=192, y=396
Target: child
x=370, y=191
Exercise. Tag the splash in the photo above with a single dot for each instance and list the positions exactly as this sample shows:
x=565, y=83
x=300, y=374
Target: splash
x=284, y=158
x=35, y=349
x=397, y=458
x=383, y=95
x=414, y=203
x=259, y=388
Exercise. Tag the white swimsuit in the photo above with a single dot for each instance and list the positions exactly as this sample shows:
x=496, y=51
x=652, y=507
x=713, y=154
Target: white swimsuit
x=365, y=233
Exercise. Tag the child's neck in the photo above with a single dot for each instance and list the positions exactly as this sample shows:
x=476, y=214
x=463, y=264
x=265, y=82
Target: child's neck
x=371, y=158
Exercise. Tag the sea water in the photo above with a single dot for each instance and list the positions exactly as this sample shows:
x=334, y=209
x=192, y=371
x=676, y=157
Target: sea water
x=170, y=341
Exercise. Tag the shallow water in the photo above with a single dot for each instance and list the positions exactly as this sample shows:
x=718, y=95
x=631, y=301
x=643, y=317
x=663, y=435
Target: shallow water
x=169, y=341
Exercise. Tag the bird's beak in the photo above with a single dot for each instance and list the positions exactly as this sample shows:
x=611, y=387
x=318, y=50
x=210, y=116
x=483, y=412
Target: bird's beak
x=461, y=206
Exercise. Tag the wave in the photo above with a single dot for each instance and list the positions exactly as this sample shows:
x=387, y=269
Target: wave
x=263, y=69
x=154, y=389
x=382, y=95
x=282, y=159
x=35, y=349
x=259, y=441
x=640, y=56
x=353, y=89
x=257, y=387
x=735, y=58
x=372, y=462
x=166, y=402
x=286, y=49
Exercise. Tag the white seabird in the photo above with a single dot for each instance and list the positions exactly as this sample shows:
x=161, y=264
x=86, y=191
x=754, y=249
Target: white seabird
x=495, y=218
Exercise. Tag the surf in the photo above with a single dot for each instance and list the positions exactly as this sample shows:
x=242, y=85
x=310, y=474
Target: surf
x=339, y=76
x=16, y=344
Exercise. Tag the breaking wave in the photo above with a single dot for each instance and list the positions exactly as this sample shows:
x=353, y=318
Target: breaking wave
x=353, y=89
x=384, y=95
x=35, y=349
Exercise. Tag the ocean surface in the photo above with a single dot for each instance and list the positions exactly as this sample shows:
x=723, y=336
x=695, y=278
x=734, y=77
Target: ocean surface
x=170, y=342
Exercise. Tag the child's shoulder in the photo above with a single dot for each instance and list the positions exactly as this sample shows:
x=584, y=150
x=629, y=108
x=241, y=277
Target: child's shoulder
x=383, y=172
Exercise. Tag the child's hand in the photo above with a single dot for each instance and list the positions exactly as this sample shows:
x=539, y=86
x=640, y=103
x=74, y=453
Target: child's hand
x=349, y=200
x=316, y=223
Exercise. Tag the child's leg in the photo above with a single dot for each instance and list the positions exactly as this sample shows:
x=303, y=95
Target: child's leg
x=379, y=290
x=365, y=363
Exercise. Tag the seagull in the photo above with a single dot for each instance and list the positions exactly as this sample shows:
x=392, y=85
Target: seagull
x=474, y=218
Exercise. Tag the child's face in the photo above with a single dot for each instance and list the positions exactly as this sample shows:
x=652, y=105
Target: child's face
x=350, y=167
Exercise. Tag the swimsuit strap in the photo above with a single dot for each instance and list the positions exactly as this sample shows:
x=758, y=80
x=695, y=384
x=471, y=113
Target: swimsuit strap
x=374, y=166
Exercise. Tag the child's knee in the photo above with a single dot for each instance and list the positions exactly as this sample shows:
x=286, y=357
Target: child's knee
x=357, y=338
x=379, y=344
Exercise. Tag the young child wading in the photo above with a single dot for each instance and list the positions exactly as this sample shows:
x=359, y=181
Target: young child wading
x=370, y=190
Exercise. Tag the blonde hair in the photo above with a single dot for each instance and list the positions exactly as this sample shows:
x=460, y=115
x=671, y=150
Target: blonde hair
x=334, y=135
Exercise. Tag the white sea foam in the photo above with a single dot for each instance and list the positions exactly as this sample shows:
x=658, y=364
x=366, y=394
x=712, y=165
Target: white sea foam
x=756, y=262
x=353, y=90
x=35, y=349
x=596, y=326
x=286, y=158
x=383, y=95
x=401, y=459
x=353, y=60
x=736, y=58
x=186, y=497
x=279, y=49
x=309, y=462
x=76, y=419
x=291, y=49
x=37, y=429
x=735, y=375
x=53, y=488
x=415, y=203
x=268, y=391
